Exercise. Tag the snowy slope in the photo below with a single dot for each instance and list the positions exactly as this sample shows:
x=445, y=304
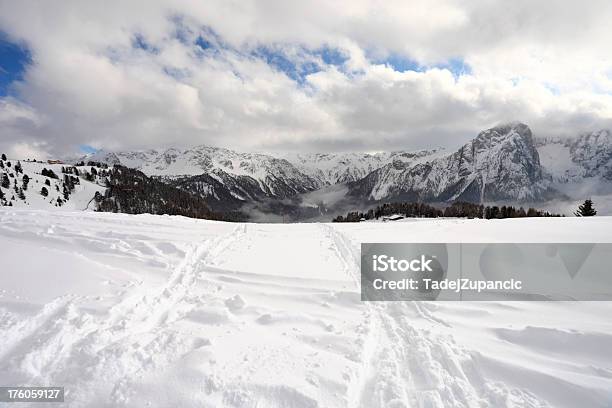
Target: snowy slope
x=573, y=159
x=580, y=166
x=79, y=199
x=168, y=311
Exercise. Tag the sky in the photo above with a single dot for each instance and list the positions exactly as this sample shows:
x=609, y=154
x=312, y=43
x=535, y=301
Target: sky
x=284, y=75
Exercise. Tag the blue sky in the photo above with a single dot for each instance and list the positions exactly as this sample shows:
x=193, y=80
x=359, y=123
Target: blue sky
x=87, y=149
x=300, y=62
x=13, y=61
x=403, y=63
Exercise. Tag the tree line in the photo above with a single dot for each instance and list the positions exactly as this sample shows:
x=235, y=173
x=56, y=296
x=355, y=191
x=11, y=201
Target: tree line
x=455, y=210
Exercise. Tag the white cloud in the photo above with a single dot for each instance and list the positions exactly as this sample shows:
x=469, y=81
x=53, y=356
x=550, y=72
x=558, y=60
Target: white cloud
x=545, y=63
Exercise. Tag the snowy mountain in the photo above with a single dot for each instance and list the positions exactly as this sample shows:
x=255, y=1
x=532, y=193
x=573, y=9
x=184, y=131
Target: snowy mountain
x=330, y=168
x=501, y=163
x=229, y=179
x=572, y=160
x=220, y=175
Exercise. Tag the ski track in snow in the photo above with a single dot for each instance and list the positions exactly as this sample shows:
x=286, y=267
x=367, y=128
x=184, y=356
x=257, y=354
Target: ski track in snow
x=118, y=348
x=406, y=367
x=196, y=313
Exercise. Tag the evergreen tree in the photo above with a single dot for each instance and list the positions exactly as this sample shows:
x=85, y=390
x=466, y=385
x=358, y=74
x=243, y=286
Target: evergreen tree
x=26, y=180
x=6, y=183
x=586, y=209
x=3, y=156
x=48, y=173
x=44, y=192
x=132, y=192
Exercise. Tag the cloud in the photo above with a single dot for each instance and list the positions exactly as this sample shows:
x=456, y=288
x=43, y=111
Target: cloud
x=18, y=126
x=355, y=75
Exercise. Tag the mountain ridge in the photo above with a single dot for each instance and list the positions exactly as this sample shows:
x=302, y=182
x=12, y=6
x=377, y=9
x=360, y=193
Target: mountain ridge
x=501, y=163
x=504, y=163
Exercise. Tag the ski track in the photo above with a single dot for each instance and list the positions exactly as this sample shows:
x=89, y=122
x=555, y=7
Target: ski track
x=63, y=343
x=404, y=366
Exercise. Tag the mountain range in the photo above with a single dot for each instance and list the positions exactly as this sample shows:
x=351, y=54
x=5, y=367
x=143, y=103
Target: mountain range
x=504, y=163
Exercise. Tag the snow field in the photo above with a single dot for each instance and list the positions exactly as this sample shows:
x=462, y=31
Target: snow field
x=168, y=311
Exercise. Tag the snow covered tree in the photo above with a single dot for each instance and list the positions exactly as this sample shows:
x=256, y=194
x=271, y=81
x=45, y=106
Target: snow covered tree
x=6, y=183
x=3, y=156
x=48, y=173
x=26, y=180
x=44, y=192
x=586, y=209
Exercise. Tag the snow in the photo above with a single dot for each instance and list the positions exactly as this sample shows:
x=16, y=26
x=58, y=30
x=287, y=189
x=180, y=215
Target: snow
x=80, y=199
x=557, y=160
x=164, y=311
